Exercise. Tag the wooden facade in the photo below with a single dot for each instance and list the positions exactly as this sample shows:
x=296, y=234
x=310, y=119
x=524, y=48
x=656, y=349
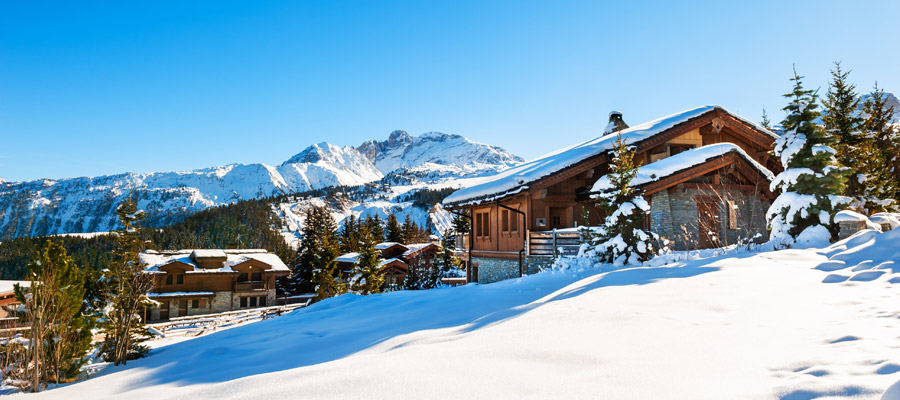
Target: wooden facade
x=501, y=223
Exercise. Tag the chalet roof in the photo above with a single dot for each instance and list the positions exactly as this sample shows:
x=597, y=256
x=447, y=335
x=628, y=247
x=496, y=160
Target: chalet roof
x=154, y=259
x=348, y=258
x=415, y=248
x=517, y=179
x=208, y=253
x=387, y=245
x=682, y=161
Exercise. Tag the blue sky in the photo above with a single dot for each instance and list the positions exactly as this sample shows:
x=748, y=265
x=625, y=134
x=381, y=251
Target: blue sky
x=93, y=88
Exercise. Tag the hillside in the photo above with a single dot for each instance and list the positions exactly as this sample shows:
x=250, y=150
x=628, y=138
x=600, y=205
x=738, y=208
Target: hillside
x=47, y=206
x=792, y=324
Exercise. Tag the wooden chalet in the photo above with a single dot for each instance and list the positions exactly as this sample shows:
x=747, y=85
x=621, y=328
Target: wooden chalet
x=705, y=173
x=193, y=282
x=396, y=261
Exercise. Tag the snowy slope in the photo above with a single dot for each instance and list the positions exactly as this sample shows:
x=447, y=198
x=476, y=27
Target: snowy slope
x=86, y=204
x=742, y=326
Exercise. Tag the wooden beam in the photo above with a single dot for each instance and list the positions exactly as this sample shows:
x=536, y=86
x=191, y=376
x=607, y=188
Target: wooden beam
x=687, y=174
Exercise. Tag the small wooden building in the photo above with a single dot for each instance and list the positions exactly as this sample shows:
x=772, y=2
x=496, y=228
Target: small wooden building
x=193, y=282
x=701, y=195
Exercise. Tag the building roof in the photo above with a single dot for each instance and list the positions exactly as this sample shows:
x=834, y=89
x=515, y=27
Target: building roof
x=208, y=253
x=517, y=179
x=155, y=259
x=387, y=245
x=7, y=286
x=348, y=258
x=682, y=161
x=415, y=248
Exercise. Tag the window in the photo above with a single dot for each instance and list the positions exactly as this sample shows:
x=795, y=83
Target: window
x=253, y=302
x=168, y=279
x=243, y=302
x=195, y=303
x=483, y=225
x=243, y=277
x=179, y=279
x=504, y=220
x=514, y=222
x=256, y=276
x=678, y=148
x=262, y=301
x=555, y=221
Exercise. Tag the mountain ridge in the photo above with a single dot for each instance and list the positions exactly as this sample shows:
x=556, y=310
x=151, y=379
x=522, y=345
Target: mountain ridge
x=87, y=204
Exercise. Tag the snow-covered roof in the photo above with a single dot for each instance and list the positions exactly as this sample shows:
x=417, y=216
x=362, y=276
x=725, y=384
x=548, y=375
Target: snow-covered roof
x=7, y=286
x=208, y=253
x=348, y=258
x=516, y=179
x=383, y=263
x=155, y=259
x=671, y=165
x=415, y=248
x=385, y=245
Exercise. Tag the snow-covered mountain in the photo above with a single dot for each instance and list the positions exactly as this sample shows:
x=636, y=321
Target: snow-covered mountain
x=87, y=204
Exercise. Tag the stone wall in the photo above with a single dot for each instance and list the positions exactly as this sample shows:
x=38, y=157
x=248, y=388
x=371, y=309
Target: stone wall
x=492, y=270
x=674, y=216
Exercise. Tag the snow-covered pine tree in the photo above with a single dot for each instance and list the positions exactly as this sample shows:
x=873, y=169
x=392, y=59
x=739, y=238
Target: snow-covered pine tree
x=621, y=240
x=126, y=290
x=811, y=185
x=394, y=231
x=883, y=163
x=843, y=123
x=326, y=276
x=349, y=235
x=367, y=279
x=446, y=265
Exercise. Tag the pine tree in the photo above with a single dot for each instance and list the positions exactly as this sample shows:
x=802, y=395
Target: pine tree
x=367, y=278
x=411, y=232
x=59, y=338
x=883, y=162
x=621, y=239
x=394, y=230
x=126, y=290
x=326, y=276
x=765, y=122
x=461, y=222
x=349, y=236
x=811, y=185
x=375, y=226
x=318, y=247
x=843, y=122
x=446, y=265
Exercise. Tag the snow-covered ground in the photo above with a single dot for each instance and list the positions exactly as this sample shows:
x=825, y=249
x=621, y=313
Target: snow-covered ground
x=791, y=324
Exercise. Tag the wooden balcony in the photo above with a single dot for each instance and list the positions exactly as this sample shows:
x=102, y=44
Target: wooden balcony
x=251, y=286
x=551, y=243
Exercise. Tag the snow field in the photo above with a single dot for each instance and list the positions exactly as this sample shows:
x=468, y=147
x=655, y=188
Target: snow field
x=746, y=325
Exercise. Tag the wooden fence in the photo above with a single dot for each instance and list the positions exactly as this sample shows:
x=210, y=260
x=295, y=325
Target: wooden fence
x=196, y=325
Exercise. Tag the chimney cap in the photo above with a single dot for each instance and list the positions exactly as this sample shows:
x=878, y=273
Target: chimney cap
x=614, y=112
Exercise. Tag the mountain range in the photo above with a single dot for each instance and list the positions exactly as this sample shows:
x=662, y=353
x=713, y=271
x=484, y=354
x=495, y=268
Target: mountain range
x=87, y=204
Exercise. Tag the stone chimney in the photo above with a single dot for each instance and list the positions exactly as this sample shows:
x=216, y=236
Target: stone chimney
x=616, y=122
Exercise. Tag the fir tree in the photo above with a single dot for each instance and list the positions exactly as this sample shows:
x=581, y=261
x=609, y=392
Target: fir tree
x=367, y=278
x=765, y=122
x=621, y=239
x=59, y=337
x=461, y=222
x=394, y=230
x=843, y=122
x=126, y=290
x=411, y=233
x=446, y=265
x=318, y=247
x=326, y=276
x=349, y=236
x=810, y=187
x=883, y=162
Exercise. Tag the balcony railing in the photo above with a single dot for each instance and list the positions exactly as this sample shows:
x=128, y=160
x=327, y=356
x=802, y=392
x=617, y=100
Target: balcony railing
x=251, y=286
x=549, y=243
